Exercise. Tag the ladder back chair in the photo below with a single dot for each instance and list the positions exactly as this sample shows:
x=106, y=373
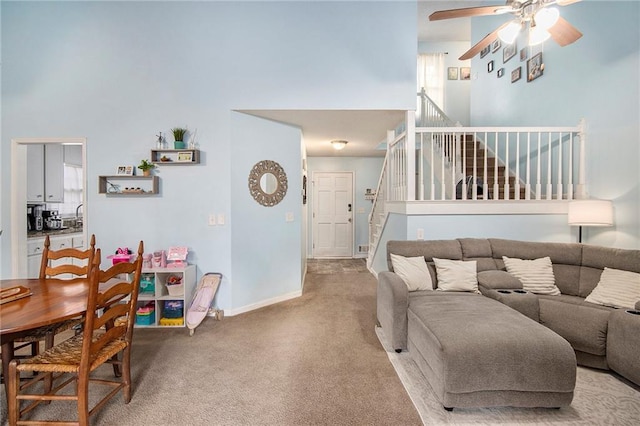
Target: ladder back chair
x=103, y=338
x=48, y=270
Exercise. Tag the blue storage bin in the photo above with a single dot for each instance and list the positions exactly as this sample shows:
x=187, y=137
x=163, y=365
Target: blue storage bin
x=173, y=309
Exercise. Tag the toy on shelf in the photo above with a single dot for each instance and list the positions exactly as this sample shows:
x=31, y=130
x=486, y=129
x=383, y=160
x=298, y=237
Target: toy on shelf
x=123, y=254
x=177, y=257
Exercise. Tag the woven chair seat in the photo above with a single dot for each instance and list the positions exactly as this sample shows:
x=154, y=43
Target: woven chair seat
x=65, y=357
x=41, y=333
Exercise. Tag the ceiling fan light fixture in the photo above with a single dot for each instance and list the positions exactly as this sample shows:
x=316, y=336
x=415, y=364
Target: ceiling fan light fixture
x=509, y=33
x=339, y=144
x=547, y=17
x=537, y=35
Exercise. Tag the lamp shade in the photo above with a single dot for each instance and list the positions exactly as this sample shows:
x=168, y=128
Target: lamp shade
x=590, y=213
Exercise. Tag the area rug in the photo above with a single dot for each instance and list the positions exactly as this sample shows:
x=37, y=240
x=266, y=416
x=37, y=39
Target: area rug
x=600, y=398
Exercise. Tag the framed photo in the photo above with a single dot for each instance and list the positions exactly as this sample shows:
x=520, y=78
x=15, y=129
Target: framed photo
x=509, y=52
x=524, y=54
x=452, y=73
x=485, y=51
x=465, y=73
x=500, y=72
x=516, y=74
x=490, y=66
x=185, y=157
x=125, y=171
x=495, y=45
x=535, y=67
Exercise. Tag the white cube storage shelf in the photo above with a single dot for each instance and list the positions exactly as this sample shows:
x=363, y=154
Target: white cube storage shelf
x=161, y=294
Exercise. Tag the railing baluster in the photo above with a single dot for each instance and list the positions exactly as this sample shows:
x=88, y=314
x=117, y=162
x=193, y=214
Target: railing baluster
x=570, y=188
x=539, y=172
x=507, y=186
x=496, y=185
x=527, y=188
x=516, y=186
x=549, y=165
x=560, y=176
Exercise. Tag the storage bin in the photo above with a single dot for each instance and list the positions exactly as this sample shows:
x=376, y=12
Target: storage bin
x=173, y=309
x=175, y=289
x=147, y=283
x=145, y=315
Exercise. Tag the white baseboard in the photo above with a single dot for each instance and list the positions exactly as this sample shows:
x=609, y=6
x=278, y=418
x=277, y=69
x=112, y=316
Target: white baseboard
x=263, y=303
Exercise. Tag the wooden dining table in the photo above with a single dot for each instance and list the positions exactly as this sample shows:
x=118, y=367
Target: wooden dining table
x=52, y=300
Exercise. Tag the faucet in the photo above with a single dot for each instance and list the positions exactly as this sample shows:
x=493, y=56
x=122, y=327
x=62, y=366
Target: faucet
x=78, y=220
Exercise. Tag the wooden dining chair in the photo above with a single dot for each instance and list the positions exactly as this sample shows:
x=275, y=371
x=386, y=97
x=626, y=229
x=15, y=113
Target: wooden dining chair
x=79, y=356
x=55, y=263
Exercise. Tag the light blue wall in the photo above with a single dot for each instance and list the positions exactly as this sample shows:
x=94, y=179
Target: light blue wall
x=595, y=78
x=119, y=72
x=456, y=92
x=367, y=173
x=261, y=238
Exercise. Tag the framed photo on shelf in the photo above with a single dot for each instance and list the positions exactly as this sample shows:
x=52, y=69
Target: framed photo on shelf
x=485, y=51
x=535, y=67
x=495, y=45
x=516, y=74
x=185, y=157
x=490, y=66
x=125, y=171
x=465, y=73
x=509, y=52
x=452, y=73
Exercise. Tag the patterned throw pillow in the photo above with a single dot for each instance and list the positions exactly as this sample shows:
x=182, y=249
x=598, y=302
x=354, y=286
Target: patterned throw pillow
x=620, y=289
x=536, y=275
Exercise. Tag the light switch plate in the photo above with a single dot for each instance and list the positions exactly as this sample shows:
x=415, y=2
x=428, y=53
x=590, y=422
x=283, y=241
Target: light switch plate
x=289, y=217
x=420, y=235
x=212, y=219
x=220, y=219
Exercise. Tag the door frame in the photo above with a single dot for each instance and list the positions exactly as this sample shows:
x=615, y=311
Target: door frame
x=19, y=197
x=313, y=212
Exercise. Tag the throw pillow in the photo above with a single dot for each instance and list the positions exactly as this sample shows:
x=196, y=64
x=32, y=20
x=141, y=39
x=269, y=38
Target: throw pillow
x=536, y=275
x=413, y=271
x=456, y=275
x=620, y=289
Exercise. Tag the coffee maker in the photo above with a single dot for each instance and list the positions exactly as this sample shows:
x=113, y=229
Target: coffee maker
x=35, y=222
x=51, y=219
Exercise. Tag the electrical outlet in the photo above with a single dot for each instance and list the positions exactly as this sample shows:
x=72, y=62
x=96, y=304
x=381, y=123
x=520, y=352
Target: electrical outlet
x=212, y=219
x=420, y=235
x=289, y=217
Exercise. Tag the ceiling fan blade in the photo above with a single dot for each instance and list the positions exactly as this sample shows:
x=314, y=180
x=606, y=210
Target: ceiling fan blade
x=488, y=39
x=469, y=11
x=566, y=2
x=564, y=33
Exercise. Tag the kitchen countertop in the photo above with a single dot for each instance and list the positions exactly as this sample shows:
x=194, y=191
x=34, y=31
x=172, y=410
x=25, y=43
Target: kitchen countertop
x=54, y=232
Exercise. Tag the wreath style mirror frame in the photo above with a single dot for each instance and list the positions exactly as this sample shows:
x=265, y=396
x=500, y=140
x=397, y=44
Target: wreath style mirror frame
x=260, y=169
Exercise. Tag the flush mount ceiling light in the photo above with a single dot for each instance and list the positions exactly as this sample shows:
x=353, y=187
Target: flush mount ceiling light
x=339, y=144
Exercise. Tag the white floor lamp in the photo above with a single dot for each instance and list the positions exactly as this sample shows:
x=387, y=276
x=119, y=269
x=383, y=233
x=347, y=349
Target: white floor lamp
x=590, y=213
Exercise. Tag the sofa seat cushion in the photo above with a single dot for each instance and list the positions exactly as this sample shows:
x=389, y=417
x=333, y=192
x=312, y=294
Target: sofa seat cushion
x=476, y=351
x=583, y=324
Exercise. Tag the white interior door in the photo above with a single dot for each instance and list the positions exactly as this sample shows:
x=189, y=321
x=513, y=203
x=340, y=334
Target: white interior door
x=332, y=214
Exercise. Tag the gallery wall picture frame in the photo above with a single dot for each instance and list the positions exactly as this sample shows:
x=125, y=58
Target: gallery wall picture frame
x=509, y=52
x=516, y=74
x=185, y=157
x=535, y=67
x=495, y=46
x=500, y=72
x=452, y=73
x=465, y=73
x=485, y=51
x=125, y=171
x=490, y=66
x=524, y=54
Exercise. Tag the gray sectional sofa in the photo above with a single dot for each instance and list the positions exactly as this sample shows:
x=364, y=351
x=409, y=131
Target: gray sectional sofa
x=504, y=346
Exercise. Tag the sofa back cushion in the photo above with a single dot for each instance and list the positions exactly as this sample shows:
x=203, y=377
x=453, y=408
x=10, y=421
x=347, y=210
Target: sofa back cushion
x=596, y=258
x=478, y=249
x=565, y=258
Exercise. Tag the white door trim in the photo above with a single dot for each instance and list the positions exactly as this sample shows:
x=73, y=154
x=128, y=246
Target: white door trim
x=314, y=177
x=19, y=197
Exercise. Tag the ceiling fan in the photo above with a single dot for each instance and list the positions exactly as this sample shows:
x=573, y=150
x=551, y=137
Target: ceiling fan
x=543, y=22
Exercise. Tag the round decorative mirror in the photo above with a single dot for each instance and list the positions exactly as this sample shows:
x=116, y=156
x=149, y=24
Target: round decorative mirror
x=267, y=183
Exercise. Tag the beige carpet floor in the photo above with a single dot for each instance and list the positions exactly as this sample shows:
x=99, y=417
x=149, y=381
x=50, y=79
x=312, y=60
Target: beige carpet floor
x=314, y=360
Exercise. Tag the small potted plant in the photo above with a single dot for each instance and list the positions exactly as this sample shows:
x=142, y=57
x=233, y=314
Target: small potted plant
x=179, y=134
x=146, y=166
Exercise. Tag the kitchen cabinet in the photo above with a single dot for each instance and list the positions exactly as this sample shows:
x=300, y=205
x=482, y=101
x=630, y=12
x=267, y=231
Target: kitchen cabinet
x=45, y=173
